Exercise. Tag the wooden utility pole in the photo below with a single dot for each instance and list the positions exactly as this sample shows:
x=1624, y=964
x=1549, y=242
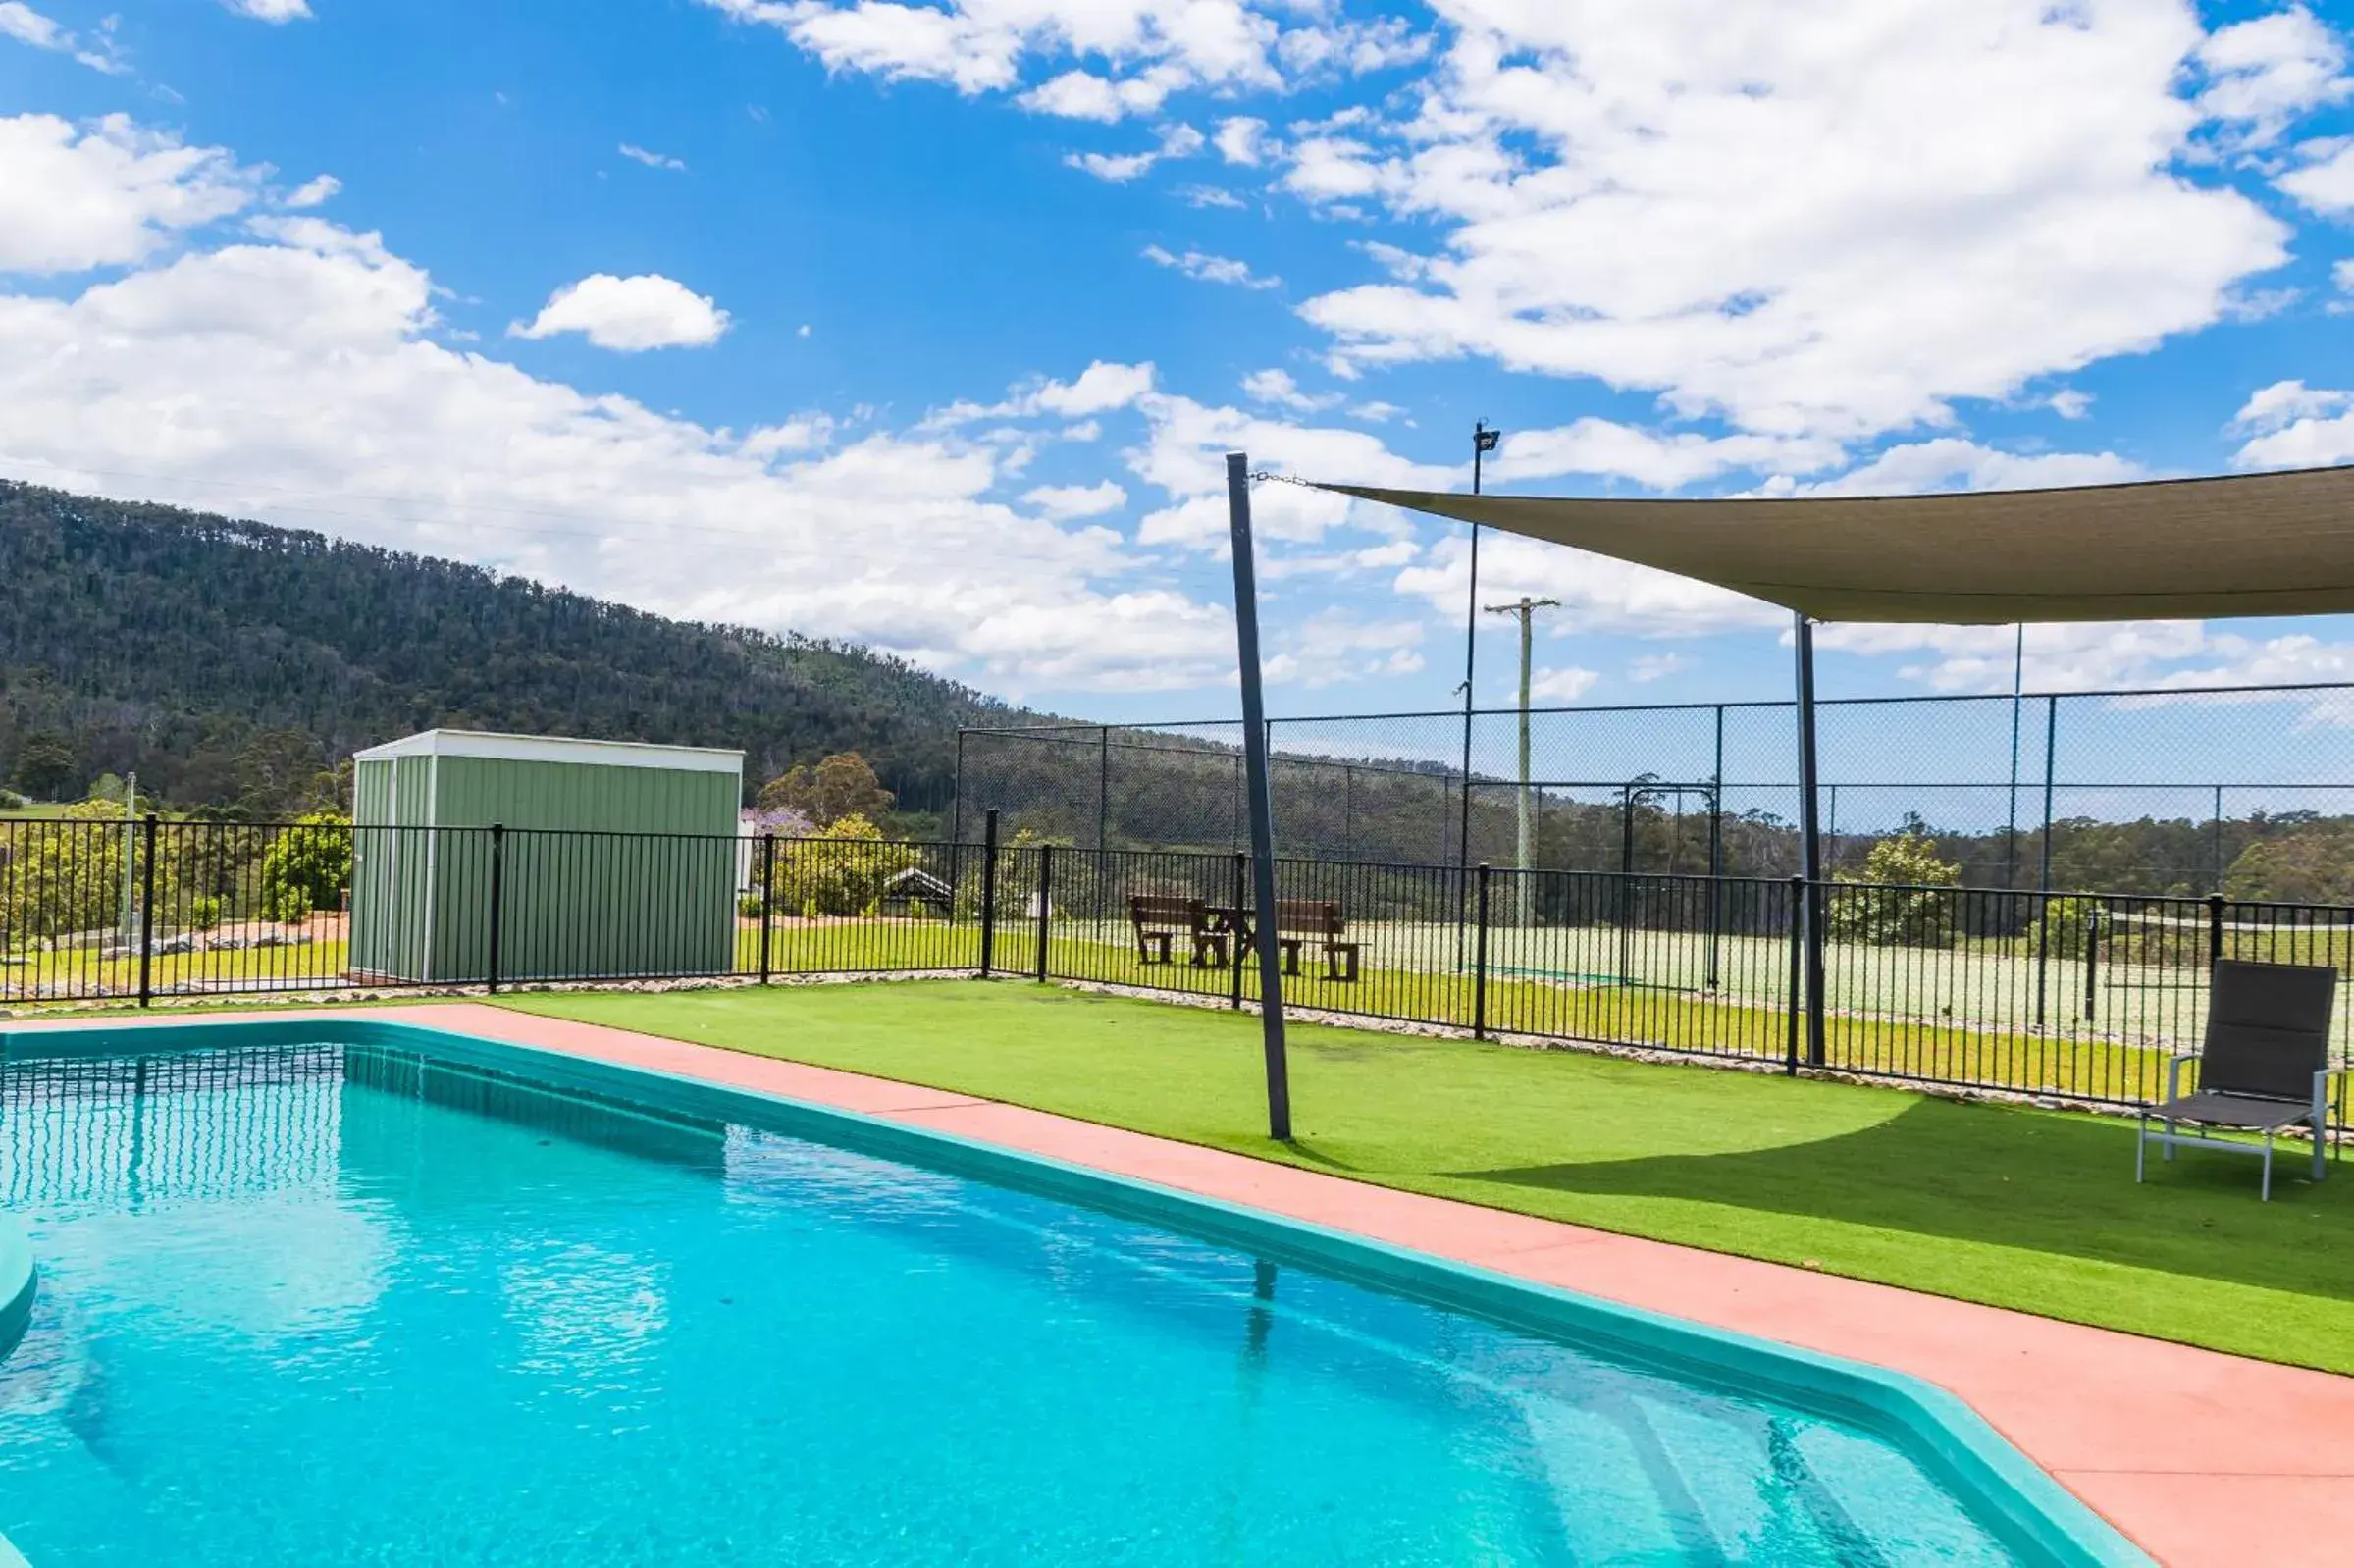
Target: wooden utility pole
x=1526, y=608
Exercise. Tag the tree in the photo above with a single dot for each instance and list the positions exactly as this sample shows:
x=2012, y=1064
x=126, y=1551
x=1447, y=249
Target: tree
x=2311, y=864
x=307, y=867
x=66, y=875
x=46, y=767
x=840, y=786
x=1895, y=903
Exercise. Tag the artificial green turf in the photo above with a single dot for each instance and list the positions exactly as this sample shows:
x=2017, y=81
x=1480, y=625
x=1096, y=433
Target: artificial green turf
x=2020, y=1208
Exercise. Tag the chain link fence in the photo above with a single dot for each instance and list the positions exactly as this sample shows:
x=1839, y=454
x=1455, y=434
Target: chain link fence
x=2247, y=791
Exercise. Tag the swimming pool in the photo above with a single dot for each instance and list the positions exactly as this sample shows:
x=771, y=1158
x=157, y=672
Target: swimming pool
x=367, y=1293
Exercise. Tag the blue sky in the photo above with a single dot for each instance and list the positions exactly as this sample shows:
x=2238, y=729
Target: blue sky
x=925, y=325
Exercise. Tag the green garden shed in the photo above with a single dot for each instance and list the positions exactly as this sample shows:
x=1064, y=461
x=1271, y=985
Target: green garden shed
x=610, y=859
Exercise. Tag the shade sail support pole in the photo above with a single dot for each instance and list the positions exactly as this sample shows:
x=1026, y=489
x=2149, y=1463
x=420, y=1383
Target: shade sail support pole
x=1810, y=842
x=1262, y=802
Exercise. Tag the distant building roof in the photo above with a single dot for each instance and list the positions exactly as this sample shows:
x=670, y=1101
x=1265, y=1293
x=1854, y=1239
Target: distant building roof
x=558, y=749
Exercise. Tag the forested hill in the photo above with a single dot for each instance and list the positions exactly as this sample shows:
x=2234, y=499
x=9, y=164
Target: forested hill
x=231, y=664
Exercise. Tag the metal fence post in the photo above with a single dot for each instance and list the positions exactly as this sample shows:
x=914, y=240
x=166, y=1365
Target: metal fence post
x=988, y=890
x=1103, y=791
x=2093, y=912
x=1046, y=903
x=1800, y=920
x=1241, y=898
x=2215, y=928
x=2043, y=875
x=2215, y=834
x=498, y=894
x=956, y=803
x=148, y=911
x=1479, y=977
x=768, y=897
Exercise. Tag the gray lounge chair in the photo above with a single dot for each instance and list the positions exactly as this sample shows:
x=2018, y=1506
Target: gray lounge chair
x=2265, y=1066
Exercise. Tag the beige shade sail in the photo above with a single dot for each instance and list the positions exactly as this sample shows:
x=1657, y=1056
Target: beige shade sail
x=2181, y=548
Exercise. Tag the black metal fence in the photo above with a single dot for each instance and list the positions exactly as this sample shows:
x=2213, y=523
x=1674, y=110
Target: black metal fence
x=2076, y=994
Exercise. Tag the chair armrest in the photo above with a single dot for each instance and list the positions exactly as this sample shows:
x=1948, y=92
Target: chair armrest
x=2173, y=1072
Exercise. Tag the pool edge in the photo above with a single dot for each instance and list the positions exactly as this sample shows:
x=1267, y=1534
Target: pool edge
x=20, y=1282
x=1992, y=1473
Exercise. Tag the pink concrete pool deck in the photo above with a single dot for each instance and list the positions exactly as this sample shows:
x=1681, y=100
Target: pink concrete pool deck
x=2205, y=1460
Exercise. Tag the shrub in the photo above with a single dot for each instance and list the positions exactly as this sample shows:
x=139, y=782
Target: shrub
x=205, y=912
x=843, y=871
x=306, y=867
x=2071, y=924
x=1896, y=902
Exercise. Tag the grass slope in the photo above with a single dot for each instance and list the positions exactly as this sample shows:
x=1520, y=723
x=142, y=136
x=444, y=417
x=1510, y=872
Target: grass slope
x=2013, y=1207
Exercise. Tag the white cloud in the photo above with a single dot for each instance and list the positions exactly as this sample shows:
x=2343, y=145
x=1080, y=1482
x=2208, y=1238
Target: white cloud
x=1210, y=269
x=1077, y=501
x=1077, y=95
x=2070, y=403
x=1184, y=456
x=1116, y=167
x=1177, y=140
x=1596, y=593
x=1208, y=196
x=22, y=22
x=1102, y=387
x=106, y=194
x=1132, y=54
x=651, y=160
x=1084, y=95
x=2295, y=426
x=1663, y=461
x=629, y=314
x=1950, y=463
x=19, y=21
x=1829, y=220
x=2284, y=403
x=2265, y=72
x=2325, y=181
x=1336, y=645
x=295, y=375
x=1237, y=139
x=806, y=432
x=1644, y=669
x=2174, y=654
x=313, y=192
x=1277, y=387
x=271, y=10
x=1561, y=685
x=2059, y=658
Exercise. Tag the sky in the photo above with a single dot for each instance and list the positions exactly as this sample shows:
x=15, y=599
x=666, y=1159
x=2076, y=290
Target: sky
x=927, y=325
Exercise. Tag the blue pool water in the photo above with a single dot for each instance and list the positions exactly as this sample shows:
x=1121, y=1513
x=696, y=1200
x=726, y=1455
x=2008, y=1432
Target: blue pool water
x=341, y=1304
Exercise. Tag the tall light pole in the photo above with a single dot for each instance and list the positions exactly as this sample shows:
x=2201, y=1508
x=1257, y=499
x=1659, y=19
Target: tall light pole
x=1526, y=608
x=1483, y=441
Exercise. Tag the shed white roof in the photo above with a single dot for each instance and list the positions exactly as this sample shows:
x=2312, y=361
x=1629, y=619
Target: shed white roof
x=558, y=749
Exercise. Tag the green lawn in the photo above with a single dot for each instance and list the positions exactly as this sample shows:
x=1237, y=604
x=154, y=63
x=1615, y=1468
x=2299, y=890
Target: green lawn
x=2021, y=1208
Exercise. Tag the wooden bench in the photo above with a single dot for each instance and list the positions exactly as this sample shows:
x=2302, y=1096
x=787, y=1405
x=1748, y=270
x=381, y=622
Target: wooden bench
x=1299, y=921
x=1160, y=920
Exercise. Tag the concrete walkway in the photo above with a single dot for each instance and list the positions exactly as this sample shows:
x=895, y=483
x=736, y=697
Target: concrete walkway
x=2206, y=1460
